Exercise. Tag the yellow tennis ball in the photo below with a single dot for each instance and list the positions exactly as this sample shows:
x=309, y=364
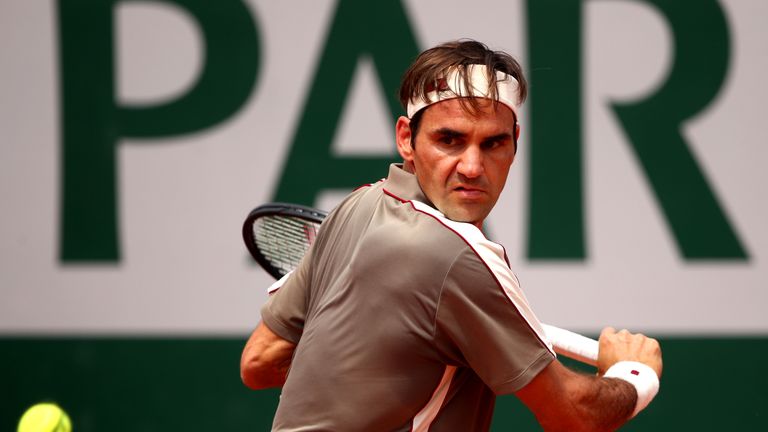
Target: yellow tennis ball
x=45, y=417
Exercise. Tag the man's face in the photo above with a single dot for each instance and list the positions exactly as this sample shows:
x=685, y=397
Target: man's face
x=461, y=160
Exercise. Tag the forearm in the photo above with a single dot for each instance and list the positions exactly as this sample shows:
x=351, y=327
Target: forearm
x=258, y=372
x=601, y=404
x=266, y=359
x=564, y=400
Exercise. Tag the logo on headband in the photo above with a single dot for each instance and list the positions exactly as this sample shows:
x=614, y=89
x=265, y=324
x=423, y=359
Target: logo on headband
x=440, y=85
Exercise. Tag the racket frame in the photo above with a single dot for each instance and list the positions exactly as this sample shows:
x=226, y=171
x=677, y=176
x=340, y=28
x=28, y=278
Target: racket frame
x=308, y=214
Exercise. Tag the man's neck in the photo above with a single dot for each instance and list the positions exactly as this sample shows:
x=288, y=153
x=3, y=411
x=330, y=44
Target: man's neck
x=408, y=167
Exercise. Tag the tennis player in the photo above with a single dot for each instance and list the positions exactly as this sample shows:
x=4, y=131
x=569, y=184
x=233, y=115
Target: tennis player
x=403, y=316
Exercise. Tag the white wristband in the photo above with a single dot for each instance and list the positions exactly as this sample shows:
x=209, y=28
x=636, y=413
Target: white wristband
x=641, y=376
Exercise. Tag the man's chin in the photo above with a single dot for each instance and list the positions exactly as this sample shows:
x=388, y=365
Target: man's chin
x=473, y=213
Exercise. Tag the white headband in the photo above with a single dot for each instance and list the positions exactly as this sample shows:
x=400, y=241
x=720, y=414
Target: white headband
x=453, y=87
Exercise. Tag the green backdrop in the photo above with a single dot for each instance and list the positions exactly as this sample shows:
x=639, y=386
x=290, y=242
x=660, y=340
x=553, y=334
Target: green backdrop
x=193, y=384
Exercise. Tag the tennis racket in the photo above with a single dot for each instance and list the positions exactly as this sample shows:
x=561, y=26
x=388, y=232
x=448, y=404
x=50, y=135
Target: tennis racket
x=278, y=235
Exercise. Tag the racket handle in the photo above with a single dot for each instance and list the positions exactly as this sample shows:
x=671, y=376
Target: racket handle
x=573, y=345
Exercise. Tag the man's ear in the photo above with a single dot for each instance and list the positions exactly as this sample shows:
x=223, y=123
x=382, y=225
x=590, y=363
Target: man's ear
x=404, y=138
x=517, y=136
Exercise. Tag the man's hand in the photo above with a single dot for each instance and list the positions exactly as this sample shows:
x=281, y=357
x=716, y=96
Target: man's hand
x=564, y=400
x=625, y=346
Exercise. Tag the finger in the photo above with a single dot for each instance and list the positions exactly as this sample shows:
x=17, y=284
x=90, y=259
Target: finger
x=654, y=344
x=607, y=331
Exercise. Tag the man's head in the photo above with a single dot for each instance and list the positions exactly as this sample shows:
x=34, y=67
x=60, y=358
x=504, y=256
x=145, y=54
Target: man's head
x=461, y=134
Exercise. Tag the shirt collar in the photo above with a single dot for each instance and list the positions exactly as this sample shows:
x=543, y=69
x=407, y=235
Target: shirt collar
x=404, y=185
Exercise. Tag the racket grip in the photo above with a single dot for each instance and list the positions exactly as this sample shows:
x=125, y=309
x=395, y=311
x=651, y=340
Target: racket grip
x=573, y=345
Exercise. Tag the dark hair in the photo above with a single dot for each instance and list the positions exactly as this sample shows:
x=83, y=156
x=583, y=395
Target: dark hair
x=433, y=64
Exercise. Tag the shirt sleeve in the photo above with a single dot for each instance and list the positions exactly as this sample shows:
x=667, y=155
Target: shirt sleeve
x=286, y=309
x=483, y=312
x=289, y=302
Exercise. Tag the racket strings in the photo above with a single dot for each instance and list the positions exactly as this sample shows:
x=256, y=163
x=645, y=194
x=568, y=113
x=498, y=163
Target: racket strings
x=283, y=240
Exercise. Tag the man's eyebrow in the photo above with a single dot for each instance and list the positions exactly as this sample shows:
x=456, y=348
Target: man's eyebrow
x=448, y=132
x=499, y=137
x=444, y=131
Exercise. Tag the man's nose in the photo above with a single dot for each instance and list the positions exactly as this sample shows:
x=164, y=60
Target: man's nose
x=471, y=162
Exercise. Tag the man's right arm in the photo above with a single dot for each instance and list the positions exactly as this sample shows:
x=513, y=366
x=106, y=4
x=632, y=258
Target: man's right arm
x=266, y=359
x=564, y=400
x=268, y=353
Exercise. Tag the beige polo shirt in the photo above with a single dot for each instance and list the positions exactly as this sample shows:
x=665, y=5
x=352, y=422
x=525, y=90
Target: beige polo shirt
x=404, y=320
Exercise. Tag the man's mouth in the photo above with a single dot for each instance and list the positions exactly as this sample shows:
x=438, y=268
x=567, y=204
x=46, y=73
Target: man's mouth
x=469, y=191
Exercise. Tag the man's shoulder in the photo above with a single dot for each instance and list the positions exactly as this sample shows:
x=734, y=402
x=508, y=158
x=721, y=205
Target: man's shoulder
x=462, y=232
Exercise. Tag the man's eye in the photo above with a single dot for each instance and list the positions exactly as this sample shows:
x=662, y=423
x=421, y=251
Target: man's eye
x=496, y=143
x=447, y=140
